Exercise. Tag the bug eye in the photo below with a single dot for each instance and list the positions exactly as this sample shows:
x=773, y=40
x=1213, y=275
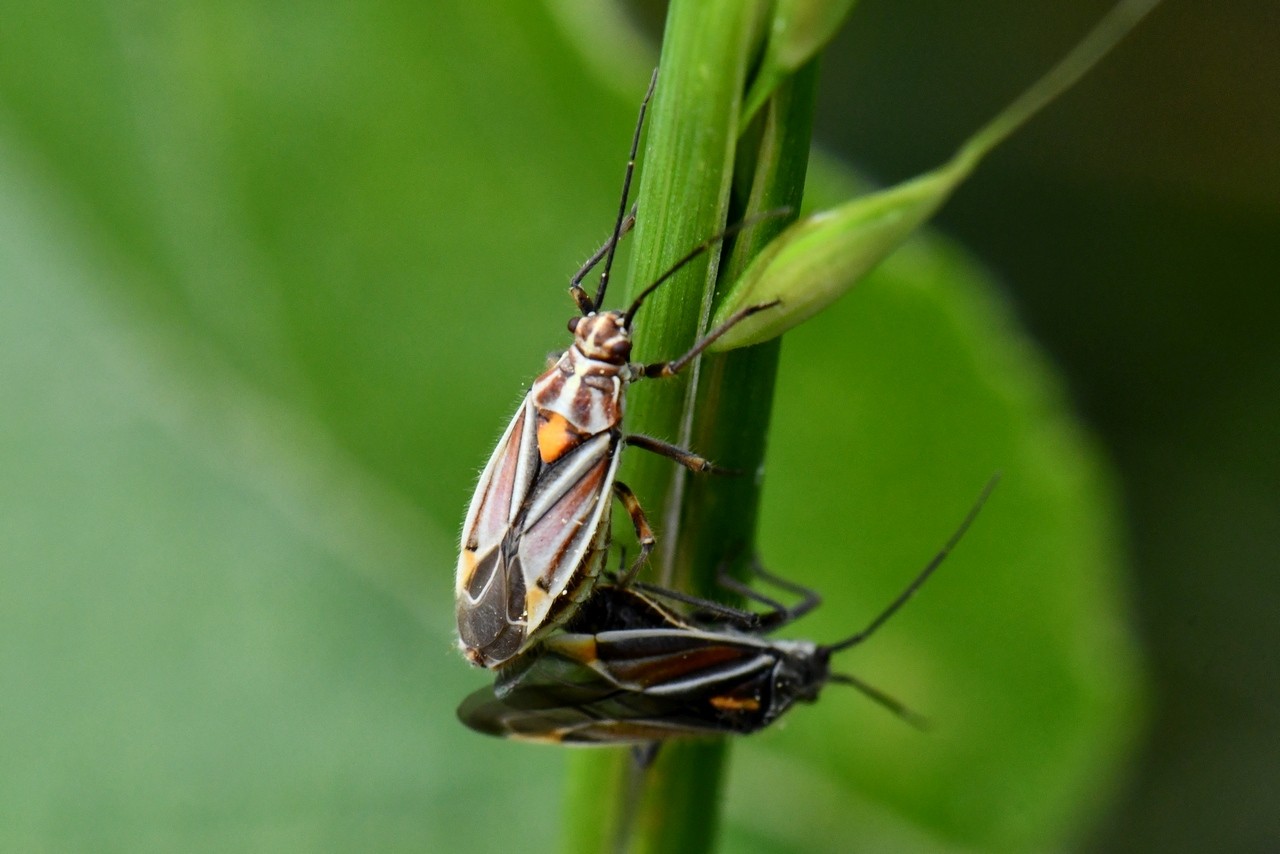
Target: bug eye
x=573, y=324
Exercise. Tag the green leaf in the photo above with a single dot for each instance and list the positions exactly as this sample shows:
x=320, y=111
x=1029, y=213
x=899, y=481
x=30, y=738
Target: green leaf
x=271, y=285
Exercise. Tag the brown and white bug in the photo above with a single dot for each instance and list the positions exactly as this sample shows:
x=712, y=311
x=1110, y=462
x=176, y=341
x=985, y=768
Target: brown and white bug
x=538, y=525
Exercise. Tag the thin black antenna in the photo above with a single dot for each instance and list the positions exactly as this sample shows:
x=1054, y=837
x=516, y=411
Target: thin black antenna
x=922, y=577
x=626, y=192
x=575, y=283
x=882, y=699
x=698, y=250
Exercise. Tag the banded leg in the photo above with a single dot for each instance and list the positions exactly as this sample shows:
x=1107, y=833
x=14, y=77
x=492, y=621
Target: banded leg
x=688, y=459
x=644, y=533
x=675, y=366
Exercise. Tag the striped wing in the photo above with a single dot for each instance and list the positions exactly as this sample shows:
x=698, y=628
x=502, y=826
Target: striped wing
x=682, y=662
x=626, y=687
x=533, y=539
x=600, y=718
x=566, y=527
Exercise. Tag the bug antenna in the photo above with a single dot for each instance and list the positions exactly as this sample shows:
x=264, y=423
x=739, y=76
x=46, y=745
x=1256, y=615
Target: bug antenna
x=697, y=251
x=883, y=700
x=920, y=579
x=626, y=192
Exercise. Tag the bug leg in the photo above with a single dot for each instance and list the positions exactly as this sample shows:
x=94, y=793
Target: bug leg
x=675, y=366
x=777, y=615
x=644, y=754
x=644, y=533
x=642, y=757
x=688, y=459
x=736, y=617
x=612, y=576
x=809, y=598
x=774, y=617
x=585, y=303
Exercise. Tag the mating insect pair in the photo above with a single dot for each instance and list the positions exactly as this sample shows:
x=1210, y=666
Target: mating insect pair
x=627, y=670
x=537, y=529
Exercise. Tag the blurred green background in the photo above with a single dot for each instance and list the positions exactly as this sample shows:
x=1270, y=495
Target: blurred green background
x=272, y=277
x=1133, y=228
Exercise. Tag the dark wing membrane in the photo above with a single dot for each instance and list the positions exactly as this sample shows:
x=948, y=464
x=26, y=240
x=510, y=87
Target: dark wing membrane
x=503, y=489
x=492, y=622
x=627, y=687
x=540, y=715
x=490, y=588
x=570, y=704
x=501, y=493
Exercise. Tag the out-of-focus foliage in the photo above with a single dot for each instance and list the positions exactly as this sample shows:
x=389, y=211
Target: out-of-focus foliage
x=1132, y=225
x=821, y=257
x=270, y=283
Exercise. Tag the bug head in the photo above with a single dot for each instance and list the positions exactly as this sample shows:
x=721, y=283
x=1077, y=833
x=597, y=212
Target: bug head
x=603, y=336
x=803, y=671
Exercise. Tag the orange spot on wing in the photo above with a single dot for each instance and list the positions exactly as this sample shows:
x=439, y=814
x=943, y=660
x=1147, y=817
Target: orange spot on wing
x=580, y=648
x=736, y=704
x=555, y=436
x=468, y=568
x=533, y=601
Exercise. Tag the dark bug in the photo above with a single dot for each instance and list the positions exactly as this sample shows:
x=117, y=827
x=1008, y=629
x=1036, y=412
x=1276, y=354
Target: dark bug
x=629, y=670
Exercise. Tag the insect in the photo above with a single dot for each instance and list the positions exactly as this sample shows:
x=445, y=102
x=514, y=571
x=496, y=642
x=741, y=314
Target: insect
x=537, y=528
x=627, y=670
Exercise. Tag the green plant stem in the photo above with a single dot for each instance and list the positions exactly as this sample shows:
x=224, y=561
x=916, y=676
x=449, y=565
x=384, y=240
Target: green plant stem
x=697, y=175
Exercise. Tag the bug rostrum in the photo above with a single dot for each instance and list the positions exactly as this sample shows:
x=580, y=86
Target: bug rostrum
x=537, y=528
x=627, y=670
